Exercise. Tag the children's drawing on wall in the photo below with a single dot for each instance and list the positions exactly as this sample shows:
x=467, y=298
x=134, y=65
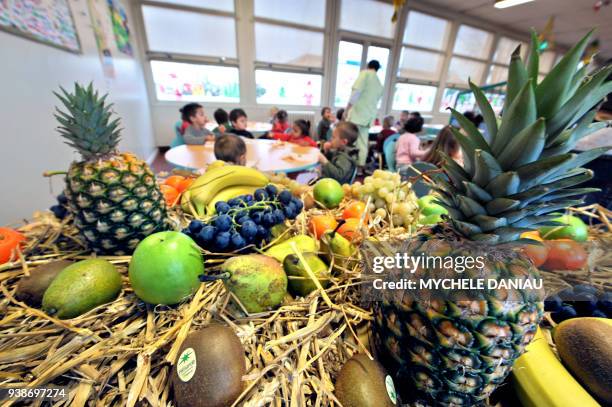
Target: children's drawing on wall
x=120, y=27
x=98, y=16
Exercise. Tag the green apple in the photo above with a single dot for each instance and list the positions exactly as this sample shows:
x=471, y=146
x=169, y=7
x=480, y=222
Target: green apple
x=428, y=207
x=329, y=192
x=570, y=227
x=165, y=267
x=430, y=219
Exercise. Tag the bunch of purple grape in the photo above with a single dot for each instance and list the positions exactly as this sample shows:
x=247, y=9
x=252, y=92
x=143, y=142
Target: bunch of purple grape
x=582, y=300
x=245, y=221
x=61, y=209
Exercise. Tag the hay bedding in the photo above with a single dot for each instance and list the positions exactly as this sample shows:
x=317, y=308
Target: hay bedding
x=121, y=353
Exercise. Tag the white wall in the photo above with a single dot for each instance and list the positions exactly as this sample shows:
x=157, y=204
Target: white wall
x=29, y=72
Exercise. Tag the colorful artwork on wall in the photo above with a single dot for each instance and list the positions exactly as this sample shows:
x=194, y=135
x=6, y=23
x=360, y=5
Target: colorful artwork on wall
x=120, y=27
x=99, y=16
x=46, y=21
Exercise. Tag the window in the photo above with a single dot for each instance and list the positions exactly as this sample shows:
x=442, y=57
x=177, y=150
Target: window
x=176, y=81
x=380, y=54
x=417, y=64
x=288, y=88
x=306, y=46
x=448, y=99
x=460, y=69
x=409, y=96
x=222, y=5
x=310, y=12
x=505, y=48
x=497, y=74
x=473, y=42
x=426, y=31
x=184, y=32
x=496, y=100
x=464, y=102
x=349, y=65
x=367, y=17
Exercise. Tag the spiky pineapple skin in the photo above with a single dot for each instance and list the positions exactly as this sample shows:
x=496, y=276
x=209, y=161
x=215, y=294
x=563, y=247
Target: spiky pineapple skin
x=457, y=353
x=115, y=201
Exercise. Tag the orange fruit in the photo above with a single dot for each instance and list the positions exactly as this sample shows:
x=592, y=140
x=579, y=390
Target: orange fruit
x=355, y=210
x=9, y=241
x=184, y=184
x=350, y=229
x=170, y=193
x=320, y=224
x=174, y=181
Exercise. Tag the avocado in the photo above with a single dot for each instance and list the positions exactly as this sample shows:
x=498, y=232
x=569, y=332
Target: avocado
x=585, y=347
x=209, y=369
x=364, y=383
x=304, y=243
x=300, y=282
x=81, y=287
x=31, y=289
x=258, y=281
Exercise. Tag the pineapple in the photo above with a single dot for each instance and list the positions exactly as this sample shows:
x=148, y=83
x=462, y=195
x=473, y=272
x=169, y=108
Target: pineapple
x=457, y=352
x=113, y=196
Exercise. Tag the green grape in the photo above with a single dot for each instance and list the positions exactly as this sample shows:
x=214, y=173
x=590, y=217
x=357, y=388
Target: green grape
x=381, y=212
x=380, y=203
x=397, y=220
x=367, y=188
x=378, y=183
x=390, y=185
x=389, y=198
x=404, y=209
x=371, y=207
x=395, y=208
x=383, y=191
x=401, y=196
x=356, y=190
x=368, y=180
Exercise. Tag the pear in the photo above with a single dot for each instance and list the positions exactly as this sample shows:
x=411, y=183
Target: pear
x=300, y=282
x=337, y=247
x=304, y=243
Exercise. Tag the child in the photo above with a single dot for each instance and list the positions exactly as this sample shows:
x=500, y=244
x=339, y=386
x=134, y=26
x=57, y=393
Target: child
x=298, y=135
x=446, y=143
x=280, y=123
x=408, y=145
x=386, y=132
x=340, y=115
x=194, y=120
x=272, y=112
x=404, y=116
x=340, y=158
x=222, y=119
x=231, y=149
x=238, y=120
x=327, y=118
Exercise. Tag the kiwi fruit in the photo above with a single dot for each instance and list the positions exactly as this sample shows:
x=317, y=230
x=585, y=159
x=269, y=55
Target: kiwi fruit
x=585, y=347
x=31, y=289
x=209, y=369
x=364, y=383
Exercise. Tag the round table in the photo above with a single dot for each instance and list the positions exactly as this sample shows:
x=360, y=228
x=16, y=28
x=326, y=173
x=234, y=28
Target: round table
x=257, y=128
x=265, y=155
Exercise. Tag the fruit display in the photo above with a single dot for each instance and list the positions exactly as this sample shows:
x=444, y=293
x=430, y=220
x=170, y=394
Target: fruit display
x=209, y=368
x=458, y=353
x=304, y=243
x=570, y=227
x=363, y=382
x=10, y=241
x=388, y=198
x=319, y=224
x=165, y=268
x=172, y=188
x=32, y=288
x=113, y=196
x=585, y=347
x=281, y=179
x=541, y=380
x=581, y=300
x=430, y=212
x=81, y=287
x=300, y=281
x=258, y=281
x=328, y=192
x=204, y=189
x=564, y=255
x=338, y=250
x=244, y=221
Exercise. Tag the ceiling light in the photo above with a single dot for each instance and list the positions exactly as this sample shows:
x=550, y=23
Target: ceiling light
x=509, y=3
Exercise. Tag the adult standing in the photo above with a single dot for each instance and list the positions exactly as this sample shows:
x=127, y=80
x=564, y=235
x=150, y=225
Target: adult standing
x=363, y=105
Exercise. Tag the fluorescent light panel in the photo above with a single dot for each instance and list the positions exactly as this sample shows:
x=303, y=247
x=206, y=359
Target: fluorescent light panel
x=509, y=3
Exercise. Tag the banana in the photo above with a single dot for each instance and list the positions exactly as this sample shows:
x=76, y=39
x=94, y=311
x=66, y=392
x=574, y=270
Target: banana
x=206, y=187
x=541, y=380
x=227, y=194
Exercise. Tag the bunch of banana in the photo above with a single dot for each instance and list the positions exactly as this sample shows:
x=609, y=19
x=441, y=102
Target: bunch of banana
x=541, y=380
x=204, y=190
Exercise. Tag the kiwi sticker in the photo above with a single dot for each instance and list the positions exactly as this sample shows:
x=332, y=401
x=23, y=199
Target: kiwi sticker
x=186, y=365
x=391, y=389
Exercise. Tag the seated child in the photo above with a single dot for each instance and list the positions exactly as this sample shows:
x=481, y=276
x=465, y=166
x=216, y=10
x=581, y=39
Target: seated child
x=340, y=115
x=385, y=133
x=298, y=135
x=194, y=120
x=409, y=145
x=340, y=154
x=280, y=123
x=327, y=118
x=222, y=119
x=445, y=143
x=231, y=149
x=238, y=120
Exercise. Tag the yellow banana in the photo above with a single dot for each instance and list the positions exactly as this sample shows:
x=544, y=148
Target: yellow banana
x=541, y=380
x=207, y=186
x=227, y=194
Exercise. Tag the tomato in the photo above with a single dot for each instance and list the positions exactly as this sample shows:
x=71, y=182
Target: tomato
x=350, y=229
x=320, y=224
x=355, y=210
x=564, y=254
x=9, y=241
x=537, y=253
x=533, y=235
x=170, y=193
x=174, y=181
x=184, y=184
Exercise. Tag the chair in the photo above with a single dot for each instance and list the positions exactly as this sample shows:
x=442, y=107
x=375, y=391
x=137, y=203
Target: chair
x=178, y=137
x=389, y=147
x=353, y=176
x=421, y=187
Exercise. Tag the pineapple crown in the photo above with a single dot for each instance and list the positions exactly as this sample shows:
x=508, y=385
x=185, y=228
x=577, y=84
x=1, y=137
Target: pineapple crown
x=512, y=183
x=86, y=125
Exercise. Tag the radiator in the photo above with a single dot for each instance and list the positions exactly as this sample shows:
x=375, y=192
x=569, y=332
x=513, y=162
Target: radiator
x=305, y=115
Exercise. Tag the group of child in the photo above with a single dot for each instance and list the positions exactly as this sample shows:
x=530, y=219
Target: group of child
x=338, y=156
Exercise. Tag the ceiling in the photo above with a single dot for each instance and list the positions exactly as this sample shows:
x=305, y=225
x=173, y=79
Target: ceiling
x=573, y=18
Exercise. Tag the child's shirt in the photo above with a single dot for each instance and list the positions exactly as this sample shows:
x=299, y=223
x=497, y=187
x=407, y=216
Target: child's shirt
x=217, y=132
x=323, y=129
x=302, y=140
x=192, y=135
x=278, y=127
x=408, y=149
x=341, y=164
x=243, y=133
